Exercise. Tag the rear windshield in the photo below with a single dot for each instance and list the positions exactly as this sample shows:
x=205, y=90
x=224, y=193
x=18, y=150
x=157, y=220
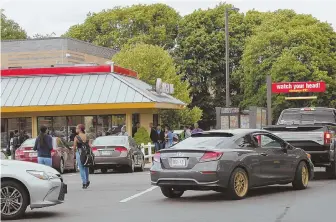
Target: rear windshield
x=29, y=143
x=202, y=141
x=307, y=117
x=109, y=141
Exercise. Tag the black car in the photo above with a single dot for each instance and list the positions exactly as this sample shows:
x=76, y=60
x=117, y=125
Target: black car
x=230, y=161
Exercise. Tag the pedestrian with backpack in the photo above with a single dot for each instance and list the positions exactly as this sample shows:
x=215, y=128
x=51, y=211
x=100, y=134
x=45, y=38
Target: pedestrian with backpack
x=43, y=146
x=82, y=149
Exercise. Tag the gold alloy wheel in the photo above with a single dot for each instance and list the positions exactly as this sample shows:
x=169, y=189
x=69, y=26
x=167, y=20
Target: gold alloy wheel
x=305, y=175
x=240, y=183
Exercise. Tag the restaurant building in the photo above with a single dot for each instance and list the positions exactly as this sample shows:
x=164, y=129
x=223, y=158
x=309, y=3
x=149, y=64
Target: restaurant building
x=103, y=98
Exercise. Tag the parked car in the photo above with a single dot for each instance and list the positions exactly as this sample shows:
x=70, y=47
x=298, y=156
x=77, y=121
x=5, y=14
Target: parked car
x=117, y=152
x=63, y=156
x=28, y=184
x=313, y=130
x=231, y=161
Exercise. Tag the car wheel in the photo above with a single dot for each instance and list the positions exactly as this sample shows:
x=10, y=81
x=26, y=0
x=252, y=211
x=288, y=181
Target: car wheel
x=171, y=193
x=103, y=170
x=14, y=200
x=61, y=166
x=301, y=178
x=91, y=171
x=142, y=167
x=238, y=184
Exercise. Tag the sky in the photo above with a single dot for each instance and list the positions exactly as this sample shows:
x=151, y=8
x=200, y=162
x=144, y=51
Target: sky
x=48, y=16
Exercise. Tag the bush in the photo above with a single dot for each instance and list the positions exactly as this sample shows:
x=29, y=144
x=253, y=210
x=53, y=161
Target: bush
x=142, y=136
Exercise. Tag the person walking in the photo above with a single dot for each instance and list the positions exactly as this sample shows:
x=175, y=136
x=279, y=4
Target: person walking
x=78, y=143
x=43, y=146
x=196, y=129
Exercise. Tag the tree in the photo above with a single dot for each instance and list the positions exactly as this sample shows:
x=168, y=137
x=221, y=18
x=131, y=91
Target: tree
x=142, y=136
x=10, y=29
x=200, y=54
x=289, y=47
x=152, y=62
x=155, y=24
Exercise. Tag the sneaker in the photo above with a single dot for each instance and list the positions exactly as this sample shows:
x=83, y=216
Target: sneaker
x=87, y=184
x=84, y=186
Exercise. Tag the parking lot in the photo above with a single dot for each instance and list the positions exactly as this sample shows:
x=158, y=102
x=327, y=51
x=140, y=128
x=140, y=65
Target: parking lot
x=130, y=197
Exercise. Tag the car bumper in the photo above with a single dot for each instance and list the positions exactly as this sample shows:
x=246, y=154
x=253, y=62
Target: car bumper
x=111, y=161
x=47, y=193
x=193, y=179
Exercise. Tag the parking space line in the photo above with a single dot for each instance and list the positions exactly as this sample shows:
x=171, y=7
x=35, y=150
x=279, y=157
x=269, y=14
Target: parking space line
x=138, y=194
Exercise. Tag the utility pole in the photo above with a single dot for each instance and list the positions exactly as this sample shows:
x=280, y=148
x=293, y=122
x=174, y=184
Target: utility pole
x=227, y=71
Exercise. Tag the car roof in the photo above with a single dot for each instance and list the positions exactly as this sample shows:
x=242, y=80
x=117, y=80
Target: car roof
x=236, y=132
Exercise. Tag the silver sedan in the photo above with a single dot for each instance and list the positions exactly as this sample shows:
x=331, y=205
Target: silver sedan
x=26, y=183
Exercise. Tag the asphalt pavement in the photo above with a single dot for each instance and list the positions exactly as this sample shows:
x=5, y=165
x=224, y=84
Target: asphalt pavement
x=130, y=197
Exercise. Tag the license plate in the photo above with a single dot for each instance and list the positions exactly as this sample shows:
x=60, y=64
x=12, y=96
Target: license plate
x=178, y=162
x=106, y=153
x=32, y=154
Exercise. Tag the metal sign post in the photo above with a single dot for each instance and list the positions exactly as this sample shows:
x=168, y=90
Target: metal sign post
x=269, y=100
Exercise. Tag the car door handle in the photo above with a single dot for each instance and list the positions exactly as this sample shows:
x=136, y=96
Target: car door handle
x=263, y=154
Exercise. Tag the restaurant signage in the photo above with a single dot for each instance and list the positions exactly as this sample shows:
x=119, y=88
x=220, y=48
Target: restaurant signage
x=162, y=87
x=300, y=87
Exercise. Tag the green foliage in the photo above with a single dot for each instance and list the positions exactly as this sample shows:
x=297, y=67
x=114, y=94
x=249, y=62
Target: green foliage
x=201, y=55
x=289, y=47
x=152, y=62
x=142, y=136
x=10, y=29
x=41, y=36
x=152, y=24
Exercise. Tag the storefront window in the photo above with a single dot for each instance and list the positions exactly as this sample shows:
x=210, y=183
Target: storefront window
x=155, y=120
x=73, y=121
x=25, y=124
x=90, y=123
x=103, y=125
x=45, y=121
x=118, y=121
x=4, y=134
x=59, y=125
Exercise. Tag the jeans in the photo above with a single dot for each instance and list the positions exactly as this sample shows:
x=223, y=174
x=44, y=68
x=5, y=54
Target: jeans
x=158, y=146
x=45, y=161
x=84, y=171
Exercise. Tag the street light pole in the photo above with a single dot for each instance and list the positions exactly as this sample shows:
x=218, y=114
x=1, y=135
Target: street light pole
x=227, y=72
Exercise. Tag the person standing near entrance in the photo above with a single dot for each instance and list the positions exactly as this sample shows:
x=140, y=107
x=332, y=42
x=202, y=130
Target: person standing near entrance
x=135, y=128
x=154, y=137
x=15, y=144
x=78, y=143
x=43, y=145
x=196, y=129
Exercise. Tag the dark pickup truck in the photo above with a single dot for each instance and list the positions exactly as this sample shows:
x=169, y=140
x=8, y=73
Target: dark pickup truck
x=312, y=129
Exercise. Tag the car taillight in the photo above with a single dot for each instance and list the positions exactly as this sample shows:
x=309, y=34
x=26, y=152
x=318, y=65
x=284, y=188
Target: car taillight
x=327, y=138
x=53, y=152
x=157, y=157
x=211, y=156
x=120, y=149
x=94, y=149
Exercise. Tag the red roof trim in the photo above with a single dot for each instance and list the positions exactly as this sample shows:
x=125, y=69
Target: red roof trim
x=68, y=71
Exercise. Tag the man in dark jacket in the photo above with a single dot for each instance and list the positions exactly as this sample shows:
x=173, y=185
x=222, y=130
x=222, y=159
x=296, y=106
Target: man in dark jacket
x=154, y=137
x=160, y=137
x=43, y=145
x=16, y=143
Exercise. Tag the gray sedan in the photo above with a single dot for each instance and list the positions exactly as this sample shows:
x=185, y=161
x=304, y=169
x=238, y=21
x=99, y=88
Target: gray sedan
x=118, y=153
x=231, y=161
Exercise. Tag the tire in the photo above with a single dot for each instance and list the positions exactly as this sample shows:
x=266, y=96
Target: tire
x=171, y=193
x=142, y=168
x=91, y=170
x=238, y=184
x=331, y=170
x=23, y=199
x=103, y=170
x=131, y=168
x=61, y=166
x=301, y=178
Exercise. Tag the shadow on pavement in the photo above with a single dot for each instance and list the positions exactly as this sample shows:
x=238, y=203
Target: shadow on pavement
x=321, y=176
x=216, y=197
x=41, y=215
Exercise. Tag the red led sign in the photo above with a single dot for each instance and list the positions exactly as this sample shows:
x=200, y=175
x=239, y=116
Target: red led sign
x=291, y=87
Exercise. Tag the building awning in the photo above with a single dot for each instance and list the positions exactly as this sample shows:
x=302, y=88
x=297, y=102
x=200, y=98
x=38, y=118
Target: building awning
x=85, y=91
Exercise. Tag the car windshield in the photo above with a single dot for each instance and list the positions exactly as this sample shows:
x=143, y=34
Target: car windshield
x=110, y=140
x=29, y=143
x=302, y=117
x=204, y=140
